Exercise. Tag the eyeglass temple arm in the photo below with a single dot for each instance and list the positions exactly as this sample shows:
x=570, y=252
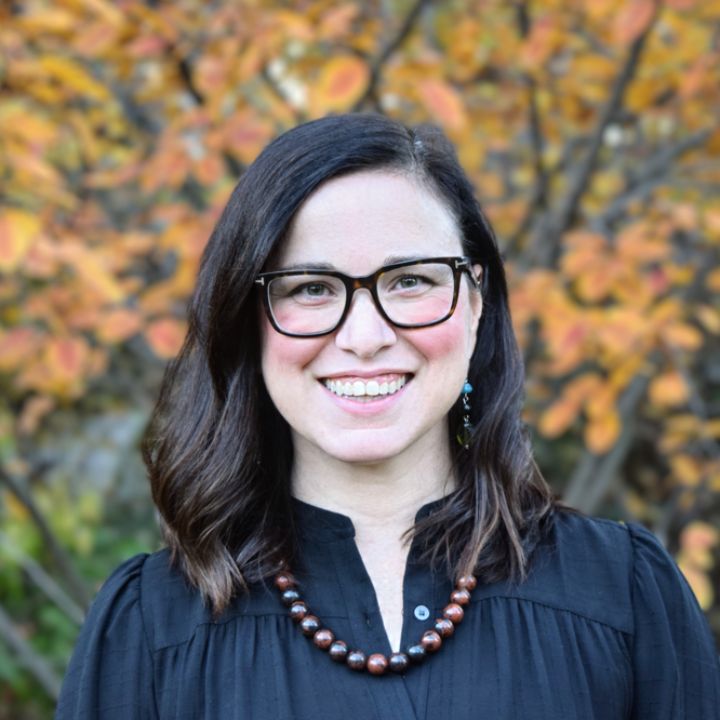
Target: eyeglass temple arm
x=465, y=265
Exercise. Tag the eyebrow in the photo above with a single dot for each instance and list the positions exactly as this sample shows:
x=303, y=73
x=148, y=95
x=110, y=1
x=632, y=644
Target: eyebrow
x=312, y=265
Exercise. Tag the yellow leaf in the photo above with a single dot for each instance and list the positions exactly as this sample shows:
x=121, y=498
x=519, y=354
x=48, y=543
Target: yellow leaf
x=74, y=77
x=700, y=584
x=443, y=103
x=341, y=83
x=668, y=389
x=18, y=229
x=165, y=337
x=685, y=470
x=602, y=431
x=709, y=317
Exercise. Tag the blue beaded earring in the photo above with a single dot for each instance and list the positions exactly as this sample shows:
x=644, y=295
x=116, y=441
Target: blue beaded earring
x=463, y=437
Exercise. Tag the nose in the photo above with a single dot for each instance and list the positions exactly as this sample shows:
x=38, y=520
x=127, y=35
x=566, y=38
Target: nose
x=364, y=331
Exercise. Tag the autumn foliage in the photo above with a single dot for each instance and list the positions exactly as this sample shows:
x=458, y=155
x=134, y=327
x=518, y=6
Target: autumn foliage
x=588, y=127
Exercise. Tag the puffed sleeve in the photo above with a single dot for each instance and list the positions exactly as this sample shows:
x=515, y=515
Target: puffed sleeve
x=676, y=668
x=110, y=673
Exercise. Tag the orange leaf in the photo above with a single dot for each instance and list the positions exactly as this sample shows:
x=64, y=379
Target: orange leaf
x=444, y=103
x=118, y=325
x=602, y=432
x=18, y=229
x=342, y=81
x=713, y=281
x=668, y=389
x=682, y=336
x=18, y=346
x=165, y=337
x=558, y=417
x=632, y=20
x=699, y=534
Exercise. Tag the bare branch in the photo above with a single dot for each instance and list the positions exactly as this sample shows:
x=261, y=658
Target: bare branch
x=650, y=175
x=28, y=657
x=545, y=246
x=76, y=585
x=595, y=474
x=43, y=581
x=538, y=198
x=392, y=46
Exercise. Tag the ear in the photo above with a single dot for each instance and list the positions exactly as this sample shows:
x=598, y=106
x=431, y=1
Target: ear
x=476, y=309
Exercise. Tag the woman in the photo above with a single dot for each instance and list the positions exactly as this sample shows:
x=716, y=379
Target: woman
x=337, y=453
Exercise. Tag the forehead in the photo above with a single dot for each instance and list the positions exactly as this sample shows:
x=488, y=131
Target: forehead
x=358, y=221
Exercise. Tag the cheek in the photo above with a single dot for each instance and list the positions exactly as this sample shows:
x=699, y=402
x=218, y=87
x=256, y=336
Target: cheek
x=281, y=353
x=446, y=341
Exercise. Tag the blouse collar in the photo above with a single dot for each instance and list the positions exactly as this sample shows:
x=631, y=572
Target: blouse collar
x=326, y=525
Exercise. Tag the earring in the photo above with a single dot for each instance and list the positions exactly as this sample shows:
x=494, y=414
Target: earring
x=463, y=437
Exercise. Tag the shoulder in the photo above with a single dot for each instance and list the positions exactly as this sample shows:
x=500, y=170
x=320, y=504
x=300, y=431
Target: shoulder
x=167, y=605
x=585, y=565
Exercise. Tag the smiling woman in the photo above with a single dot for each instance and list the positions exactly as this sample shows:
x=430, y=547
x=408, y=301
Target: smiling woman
x=337, y=453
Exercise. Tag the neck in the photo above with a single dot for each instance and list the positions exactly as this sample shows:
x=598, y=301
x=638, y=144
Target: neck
x=381, y=497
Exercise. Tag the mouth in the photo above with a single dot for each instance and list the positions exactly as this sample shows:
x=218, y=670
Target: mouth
x=367, y=389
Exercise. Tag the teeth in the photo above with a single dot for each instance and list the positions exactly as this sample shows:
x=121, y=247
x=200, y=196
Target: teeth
x=371, y=388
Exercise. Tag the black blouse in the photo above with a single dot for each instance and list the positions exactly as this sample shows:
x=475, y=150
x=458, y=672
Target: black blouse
x=604, y=628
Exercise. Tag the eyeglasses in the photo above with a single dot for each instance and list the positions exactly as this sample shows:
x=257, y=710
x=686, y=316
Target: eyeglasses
x=409, y=294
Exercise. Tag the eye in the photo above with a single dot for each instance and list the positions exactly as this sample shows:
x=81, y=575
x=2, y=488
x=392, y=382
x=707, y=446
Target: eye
x=411, y=282
x=312, y=289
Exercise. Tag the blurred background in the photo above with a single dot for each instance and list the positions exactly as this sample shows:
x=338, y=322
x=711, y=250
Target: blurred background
x=589, y=128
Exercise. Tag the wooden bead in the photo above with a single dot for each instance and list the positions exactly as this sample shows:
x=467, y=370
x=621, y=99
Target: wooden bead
x=468, y=582
x=444, y=627
x=338, y=651
x=283, y=581
x=356, y=659
x=454, y=613
x=310, y=625
x=416, y=654
x=289, y=596
x=431, y=640
x=377, y=664
x=460, y=597
x=399, y=662
x=323, y=638
x=298, y=610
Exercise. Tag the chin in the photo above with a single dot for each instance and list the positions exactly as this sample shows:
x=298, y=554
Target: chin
x=365, y=453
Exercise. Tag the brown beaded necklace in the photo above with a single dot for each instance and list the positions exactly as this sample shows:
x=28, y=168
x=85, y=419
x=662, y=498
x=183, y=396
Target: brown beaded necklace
x=376, y=663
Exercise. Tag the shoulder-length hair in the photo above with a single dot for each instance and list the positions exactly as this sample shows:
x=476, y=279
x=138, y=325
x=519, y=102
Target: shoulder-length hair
x=219, y=454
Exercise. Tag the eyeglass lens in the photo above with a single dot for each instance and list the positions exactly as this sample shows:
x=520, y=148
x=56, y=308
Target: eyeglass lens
x=411, y=295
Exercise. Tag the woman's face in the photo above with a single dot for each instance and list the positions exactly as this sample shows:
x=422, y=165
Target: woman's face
x=355, y=223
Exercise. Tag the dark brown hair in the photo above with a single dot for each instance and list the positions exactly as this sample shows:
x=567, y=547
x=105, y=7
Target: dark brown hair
x=219, y=454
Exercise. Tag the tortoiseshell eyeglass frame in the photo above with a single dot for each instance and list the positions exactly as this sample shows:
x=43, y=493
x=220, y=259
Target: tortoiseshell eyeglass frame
x=458, y=264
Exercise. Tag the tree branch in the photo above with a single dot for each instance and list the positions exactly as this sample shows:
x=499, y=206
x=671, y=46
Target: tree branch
x=595, y=474
x=392, y=46
x=28, y=657
x=650, y=175
x=545, y=245
x=43, y=581
x=77, y=587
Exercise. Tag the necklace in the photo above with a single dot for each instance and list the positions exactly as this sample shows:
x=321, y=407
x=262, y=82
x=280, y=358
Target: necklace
x=376, y=663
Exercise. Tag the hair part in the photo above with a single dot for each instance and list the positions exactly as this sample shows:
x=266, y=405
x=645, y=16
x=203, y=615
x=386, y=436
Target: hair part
x=218, y=453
